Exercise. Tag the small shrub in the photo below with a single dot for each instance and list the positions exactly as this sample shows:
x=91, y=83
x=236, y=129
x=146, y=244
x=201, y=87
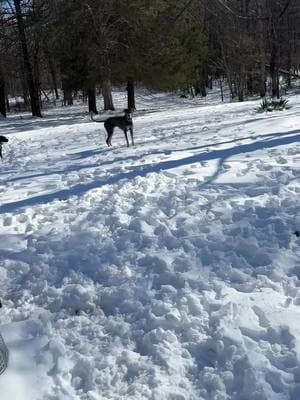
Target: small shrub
x=265, y=105
x=280, y=104
x=273, y=104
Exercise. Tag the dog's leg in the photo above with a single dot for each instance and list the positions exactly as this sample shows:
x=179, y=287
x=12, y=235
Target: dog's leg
x=108, y=140
x=110, y=131
x=125, y=133
x=131, y=134
x=1, y=155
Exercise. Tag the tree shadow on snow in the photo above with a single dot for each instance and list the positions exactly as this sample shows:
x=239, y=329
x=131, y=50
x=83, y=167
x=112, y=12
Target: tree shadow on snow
x=141, y=171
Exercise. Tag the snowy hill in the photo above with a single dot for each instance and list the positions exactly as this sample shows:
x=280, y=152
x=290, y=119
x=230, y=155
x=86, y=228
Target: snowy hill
x=167, y=271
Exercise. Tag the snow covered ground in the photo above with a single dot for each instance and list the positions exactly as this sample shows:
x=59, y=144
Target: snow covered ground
x=167, y=271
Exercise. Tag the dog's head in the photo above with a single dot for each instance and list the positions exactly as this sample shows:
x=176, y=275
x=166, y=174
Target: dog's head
x=128, y=113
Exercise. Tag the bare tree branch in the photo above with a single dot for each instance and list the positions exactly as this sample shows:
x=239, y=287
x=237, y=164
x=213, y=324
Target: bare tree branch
x=286, y=6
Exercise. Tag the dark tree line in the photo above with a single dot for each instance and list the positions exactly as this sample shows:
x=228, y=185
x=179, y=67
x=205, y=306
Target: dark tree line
x=254, y=43
x=61, y=48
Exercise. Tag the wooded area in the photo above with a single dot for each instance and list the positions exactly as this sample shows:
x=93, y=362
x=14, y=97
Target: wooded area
x=66, y=48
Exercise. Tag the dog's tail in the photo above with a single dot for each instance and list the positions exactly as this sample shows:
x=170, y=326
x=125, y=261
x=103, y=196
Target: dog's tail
x=95, y=120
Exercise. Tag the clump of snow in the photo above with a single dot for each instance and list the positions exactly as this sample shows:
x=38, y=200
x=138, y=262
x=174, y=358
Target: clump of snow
x=165, y=271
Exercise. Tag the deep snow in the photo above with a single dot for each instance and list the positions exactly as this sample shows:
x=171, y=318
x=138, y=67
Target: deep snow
x=165, y=271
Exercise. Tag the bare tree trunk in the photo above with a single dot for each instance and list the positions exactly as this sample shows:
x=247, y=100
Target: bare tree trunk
x=274, y=52
x=130, y=94
x=7, y=104
x=52, y=70
x=240, y=94
x=92, y=100
x=203, y=89
x=84, y=96
x=26, y=96
x=32, y=85
x=2, y=96
x=221, y=89
x=289, y=67
x=230, y=84
x=54, y=81
x=209, y=83
x=68, y=98
x=36, y=69
x=274, y=70
x=107, y=95
x=262, y=53
x=201, y=85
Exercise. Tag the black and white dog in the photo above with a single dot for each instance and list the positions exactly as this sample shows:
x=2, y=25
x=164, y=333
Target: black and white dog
x=3, y=139
x=123, y=122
